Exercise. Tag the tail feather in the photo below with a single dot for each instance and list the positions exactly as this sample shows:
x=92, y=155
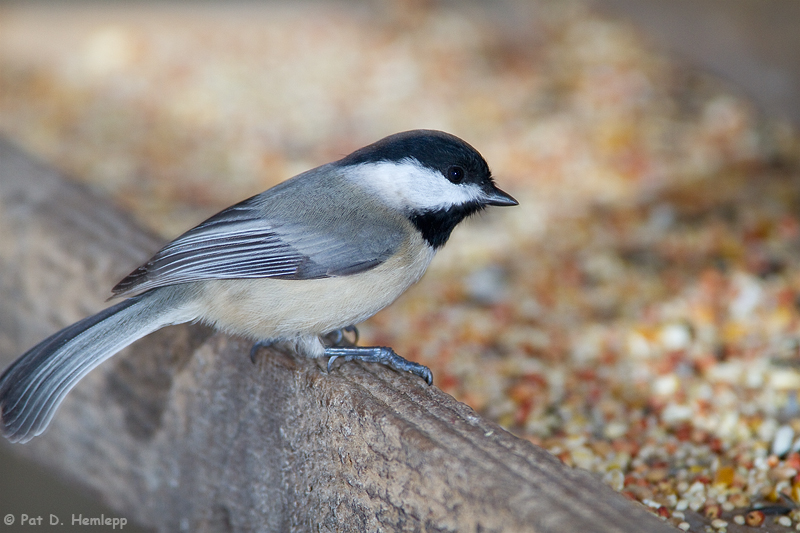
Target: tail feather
x=32, y=388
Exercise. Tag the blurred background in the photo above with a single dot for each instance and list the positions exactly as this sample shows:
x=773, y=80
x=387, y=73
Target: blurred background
x=631, y=132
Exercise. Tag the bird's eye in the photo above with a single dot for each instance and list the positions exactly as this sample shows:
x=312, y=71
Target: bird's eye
x=455, y=174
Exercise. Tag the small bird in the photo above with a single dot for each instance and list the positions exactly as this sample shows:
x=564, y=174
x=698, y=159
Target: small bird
x=296, y=264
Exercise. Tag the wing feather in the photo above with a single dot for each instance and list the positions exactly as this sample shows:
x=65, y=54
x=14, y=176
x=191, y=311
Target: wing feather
x=249, y=240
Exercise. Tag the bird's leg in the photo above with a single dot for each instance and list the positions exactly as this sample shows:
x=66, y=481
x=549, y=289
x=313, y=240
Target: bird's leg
x=257, y=346
x=378, y=354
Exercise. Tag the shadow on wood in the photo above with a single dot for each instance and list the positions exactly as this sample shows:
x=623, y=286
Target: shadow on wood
x=181, y=432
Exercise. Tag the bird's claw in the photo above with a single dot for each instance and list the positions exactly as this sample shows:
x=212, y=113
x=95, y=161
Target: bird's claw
x=337, y=337
x=354, y=331
x=257, y=346
x=330, y=362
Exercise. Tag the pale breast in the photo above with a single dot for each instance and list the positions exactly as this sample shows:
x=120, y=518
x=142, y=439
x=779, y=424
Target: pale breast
x=282, y=309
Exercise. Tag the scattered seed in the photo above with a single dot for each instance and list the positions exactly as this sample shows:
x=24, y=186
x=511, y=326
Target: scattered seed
x=754, y=518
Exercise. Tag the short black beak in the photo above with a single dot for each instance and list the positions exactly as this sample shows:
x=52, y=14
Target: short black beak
x=499, y=198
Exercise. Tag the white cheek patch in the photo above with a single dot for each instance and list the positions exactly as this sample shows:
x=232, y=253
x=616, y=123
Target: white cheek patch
x=408, y=184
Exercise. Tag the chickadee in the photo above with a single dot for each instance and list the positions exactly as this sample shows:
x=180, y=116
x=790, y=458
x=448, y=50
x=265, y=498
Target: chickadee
x=313, y=255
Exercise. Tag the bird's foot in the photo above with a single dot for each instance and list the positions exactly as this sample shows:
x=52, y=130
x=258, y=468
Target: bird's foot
x=378, y=354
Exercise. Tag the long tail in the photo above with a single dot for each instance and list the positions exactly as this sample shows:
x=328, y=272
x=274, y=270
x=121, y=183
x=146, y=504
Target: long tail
x=32, y=388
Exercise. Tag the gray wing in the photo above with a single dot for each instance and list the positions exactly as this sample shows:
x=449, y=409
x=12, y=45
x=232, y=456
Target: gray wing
x=267, y=237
